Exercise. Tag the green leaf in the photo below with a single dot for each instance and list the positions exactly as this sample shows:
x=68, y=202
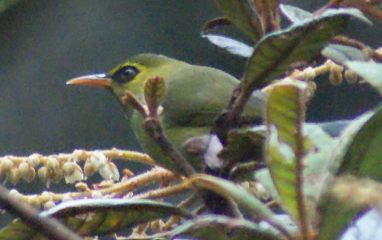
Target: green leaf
x=359, y=154
x=242, y=14
x=316, y=164
x=370, y=71
x=242, y=145
x=341, y=53
x=215, y=23
x=92, y=217
x=335, y=215
x=215, y=227
x=221, y=227
x=363, y=156
x=231, y=45
x=240, y=196
x=264, y=177
x=294, y=14
x=286, y=144
x=302, y=41
x=344, y=141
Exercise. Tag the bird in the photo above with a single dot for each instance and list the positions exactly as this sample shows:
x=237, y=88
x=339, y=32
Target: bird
x=195, y=96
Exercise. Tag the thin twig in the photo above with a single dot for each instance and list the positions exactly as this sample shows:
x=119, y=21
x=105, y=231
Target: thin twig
x=155, y=174
x=164, y=192
x=154, y=129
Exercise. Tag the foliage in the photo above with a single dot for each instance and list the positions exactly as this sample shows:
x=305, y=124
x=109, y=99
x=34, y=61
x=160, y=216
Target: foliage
x=5, y=4
x=286, y=165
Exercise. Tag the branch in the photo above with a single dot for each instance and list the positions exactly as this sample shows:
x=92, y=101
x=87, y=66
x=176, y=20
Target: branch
x=50, y=227
x=154, y=129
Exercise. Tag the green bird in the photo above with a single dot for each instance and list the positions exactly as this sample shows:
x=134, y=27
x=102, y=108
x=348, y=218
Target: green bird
x=195, y=97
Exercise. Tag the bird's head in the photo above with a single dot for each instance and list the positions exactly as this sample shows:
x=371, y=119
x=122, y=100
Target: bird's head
x=130, y=75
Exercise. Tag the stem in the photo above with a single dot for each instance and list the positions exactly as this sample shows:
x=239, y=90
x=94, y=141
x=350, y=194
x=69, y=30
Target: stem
x=299, y=154
x=163, y=192
x=154, y=129
x=156, y=174
x=231, y=118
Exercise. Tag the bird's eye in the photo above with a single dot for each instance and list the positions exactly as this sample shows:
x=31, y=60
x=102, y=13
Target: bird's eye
x=125, y=74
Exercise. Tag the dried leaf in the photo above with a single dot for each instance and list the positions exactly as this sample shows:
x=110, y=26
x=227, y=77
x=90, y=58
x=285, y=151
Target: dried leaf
x=154, y=92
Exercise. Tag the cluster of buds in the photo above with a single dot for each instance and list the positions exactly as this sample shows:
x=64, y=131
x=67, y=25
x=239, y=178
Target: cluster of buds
x=44, y=200
x=55, y=168
x=98, y=162
x=13, y=170
x=338, y=73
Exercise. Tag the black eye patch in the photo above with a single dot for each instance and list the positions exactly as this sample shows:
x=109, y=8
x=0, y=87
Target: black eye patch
x=125, y=74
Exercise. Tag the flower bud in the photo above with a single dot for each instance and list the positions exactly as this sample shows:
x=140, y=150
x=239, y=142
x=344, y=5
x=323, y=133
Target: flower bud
x=14, y=175
x=68, y=168
x=88, y=169
x=157, y=225
x=351, y=77
x=335, y=75
x=6, y=164
x=52, y=163
x=34, y=159
x=57, y=175
x=43, y=173
x=26, y=171
x=98, y=160
x=72, y=172
x=109, y=172
x=49, y=204
x=82, y=187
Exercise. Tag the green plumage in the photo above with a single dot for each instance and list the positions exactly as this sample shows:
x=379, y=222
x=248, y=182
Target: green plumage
x=195, y=96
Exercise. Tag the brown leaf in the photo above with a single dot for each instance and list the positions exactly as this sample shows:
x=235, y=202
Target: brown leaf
x=154, y=91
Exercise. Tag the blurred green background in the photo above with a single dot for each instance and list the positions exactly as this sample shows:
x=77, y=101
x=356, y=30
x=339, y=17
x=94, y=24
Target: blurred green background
x=43, y=43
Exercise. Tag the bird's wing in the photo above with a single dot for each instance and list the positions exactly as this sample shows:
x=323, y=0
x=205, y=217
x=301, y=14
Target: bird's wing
x=197, y=95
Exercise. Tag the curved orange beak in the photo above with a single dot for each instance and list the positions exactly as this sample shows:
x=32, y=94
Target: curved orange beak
x=95, y=80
